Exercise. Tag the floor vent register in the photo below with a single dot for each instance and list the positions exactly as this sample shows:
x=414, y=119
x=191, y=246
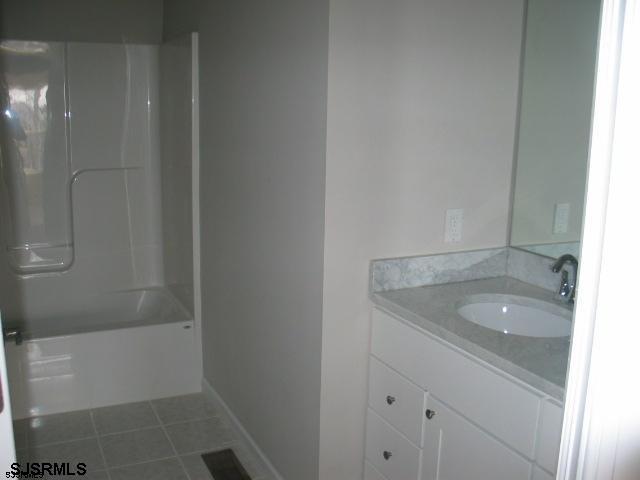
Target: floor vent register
x=224, y=465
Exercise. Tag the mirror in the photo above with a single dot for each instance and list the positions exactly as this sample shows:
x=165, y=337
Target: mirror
x=552, y=146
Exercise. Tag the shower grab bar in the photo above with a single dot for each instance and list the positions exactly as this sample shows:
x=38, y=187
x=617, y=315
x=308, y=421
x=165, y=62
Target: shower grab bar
x=34, y=246
x=66, y=259
x=77, y=173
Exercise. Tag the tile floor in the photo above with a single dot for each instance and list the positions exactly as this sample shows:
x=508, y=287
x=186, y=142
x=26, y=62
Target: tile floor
x=157, y=440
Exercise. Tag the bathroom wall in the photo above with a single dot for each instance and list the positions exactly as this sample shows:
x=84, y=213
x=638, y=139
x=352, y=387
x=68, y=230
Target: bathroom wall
x=113, y=131
x=176, y=158
x=263, y=103
x=138, y=21
x=421, y=118
x=182, y=16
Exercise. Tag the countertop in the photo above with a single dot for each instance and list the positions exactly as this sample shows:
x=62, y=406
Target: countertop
x=539, y=362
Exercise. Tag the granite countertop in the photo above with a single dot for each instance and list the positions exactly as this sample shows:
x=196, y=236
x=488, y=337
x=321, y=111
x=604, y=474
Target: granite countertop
x=539, y=362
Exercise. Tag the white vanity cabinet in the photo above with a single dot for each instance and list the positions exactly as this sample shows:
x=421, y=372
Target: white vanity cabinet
x=438, y=413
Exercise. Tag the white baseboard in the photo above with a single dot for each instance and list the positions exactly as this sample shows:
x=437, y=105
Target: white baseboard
x=240, y=431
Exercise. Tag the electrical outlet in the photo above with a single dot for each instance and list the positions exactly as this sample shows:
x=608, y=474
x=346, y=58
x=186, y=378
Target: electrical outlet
x=561, y=218
x=453, y=225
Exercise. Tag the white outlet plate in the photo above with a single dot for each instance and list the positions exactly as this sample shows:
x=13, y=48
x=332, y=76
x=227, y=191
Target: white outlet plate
x=561, y=218
x=453, y=225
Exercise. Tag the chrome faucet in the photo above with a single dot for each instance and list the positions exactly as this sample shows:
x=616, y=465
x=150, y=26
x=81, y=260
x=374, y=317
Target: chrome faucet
x=12, y=335
x=567, y=290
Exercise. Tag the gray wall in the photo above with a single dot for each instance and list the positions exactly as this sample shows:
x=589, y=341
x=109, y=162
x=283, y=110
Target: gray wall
x=421, y=118
x=263, y=119
x=181, y=16
x=135, y=21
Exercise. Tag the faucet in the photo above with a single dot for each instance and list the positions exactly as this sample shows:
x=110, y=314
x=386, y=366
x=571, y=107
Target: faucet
x=567, y=290
x=12, y=335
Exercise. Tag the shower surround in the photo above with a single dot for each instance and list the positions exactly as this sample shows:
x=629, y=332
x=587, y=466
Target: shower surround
x=96, y=209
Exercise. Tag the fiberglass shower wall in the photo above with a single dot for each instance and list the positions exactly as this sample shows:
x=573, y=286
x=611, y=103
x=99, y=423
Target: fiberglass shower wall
x=34, y=134
x=80, y=169
x=178, y=107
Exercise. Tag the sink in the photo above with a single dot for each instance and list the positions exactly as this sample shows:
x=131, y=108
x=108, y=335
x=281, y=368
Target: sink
x=518, y=316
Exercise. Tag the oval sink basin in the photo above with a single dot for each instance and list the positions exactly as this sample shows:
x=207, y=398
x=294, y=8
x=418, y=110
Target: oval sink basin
x=515, y=319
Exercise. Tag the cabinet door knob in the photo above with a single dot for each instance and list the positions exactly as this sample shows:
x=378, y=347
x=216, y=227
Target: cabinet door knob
x=390, y=399
x=430, y=414
x=387, y=454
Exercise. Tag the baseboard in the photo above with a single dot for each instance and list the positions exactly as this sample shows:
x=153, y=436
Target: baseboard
x=239, y=430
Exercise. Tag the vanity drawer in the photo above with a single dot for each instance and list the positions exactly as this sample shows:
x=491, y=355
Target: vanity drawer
x=497, y=404
x=389, y=452
x=397, y=400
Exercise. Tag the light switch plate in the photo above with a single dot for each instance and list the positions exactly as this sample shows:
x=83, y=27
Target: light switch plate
x=453, y=225
x=561, y=218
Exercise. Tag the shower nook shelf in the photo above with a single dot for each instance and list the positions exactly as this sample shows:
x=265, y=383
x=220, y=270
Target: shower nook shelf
x=40, y=258
x=35, y=153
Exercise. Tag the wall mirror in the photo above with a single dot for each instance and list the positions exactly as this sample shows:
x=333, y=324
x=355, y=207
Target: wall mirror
x=557, y=82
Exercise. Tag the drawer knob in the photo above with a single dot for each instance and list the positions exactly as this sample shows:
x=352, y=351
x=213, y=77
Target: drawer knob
x=430, y=414
x=387, y=454
x=390, y=400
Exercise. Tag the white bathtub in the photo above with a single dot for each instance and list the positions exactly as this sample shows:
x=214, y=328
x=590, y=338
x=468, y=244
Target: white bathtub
x=47, y=317
x=104, y=350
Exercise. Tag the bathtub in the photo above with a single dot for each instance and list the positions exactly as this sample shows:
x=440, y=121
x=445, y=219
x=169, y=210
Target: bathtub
x=106, y=349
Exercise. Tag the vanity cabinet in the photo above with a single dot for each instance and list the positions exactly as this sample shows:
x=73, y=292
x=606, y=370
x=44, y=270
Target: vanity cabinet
x=438, y=413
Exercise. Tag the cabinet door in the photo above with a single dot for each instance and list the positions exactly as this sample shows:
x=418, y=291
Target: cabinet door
x=549, y=436
x=455, y=449
x=371, y=473
x=7, y=450
x=539, y=474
